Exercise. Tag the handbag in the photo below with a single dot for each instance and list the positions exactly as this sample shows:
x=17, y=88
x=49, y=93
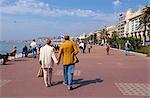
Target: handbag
x=40, y=72
x=75, y=59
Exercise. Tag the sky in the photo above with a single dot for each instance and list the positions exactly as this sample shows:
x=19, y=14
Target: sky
x=28, y=19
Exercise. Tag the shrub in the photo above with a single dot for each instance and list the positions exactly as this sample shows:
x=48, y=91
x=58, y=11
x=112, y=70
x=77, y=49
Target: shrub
x=144, y=50
x=135, y=42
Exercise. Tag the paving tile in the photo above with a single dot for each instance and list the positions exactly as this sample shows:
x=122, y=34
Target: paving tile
x=136, y=89
x=3, y=82
x=59, y=72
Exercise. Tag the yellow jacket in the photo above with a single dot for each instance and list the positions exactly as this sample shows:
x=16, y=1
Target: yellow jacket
x=68, y=49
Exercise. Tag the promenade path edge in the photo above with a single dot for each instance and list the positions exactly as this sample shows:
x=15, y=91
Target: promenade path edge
x=97, y=75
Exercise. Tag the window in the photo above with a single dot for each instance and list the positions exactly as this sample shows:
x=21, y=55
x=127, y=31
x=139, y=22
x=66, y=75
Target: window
x=132, y=25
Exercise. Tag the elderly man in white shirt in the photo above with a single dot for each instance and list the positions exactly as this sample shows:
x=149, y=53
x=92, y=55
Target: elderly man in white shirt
x=81, y=47
x=33, y=45
x=47, y=59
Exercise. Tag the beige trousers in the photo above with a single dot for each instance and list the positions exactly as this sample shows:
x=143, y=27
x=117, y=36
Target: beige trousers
x=47, y=76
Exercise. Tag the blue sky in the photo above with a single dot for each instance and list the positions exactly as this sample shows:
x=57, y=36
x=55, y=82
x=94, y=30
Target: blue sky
x=27, y=19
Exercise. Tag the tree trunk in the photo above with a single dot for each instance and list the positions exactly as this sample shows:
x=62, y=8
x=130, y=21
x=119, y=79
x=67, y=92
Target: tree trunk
x=144, y=35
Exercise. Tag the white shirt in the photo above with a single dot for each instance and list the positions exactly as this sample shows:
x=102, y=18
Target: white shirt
x=33, y=44
x=47, y=56
x=127, y=44
x=81, y=45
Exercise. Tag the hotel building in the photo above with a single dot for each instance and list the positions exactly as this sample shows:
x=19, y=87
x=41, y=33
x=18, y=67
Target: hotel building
x=128, y=25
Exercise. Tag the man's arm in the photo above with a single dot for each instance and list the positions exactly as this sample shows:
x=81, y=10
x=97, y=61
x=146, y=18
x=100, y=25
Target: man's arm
x=59, y=53
x=75, y=48
x=54, y=57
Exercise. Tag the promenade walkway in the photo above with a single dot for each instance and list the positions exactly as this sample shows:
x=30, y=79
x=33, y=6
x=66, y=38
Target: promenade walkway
x=97, y=75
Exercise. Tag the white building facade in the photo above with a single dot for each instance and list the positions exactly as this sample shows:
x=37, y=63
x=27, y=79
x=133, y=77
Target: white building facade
x=130, y=25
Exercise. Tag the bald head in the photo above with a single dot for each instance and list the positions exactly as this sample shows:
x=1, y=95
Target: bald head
x=47, y=41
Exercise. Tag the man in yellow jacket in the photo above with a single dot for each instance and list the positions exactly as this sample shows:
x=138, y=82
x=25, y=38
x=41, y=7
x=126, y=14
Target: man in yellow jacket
x=68, y=49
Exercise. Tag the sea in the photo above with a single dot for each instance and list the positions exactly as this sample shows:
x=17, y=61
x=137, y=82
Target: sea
x=6, y=47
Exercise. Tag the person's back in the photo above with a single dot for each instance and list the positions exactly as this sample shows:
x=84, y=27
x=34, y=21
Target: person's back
x=81, y=45
x=34, y=50
x=46, y=54
x=46, y=59
x=127, y=47
x=67, y=50
x=107, y=48
x=33, y=44
x=25, y=49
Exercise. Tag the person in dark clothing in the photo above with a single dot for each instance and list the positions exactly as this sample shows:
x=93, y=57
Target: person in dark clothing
x=4, y=58
x=84, y=48
x=25, y=51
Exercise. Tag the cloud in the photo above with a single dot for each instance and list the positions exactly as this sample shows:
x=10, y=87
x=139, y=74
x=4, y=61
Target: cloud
x=1, y=1
x=41, y=8
x=117, y=2
x=36, y=7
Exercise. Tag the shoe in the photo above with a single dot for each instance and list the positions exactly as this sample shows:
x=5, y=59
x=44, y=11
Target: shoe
x=47, y=85
x=69, y=87
x=64, y=83
x=52, y=84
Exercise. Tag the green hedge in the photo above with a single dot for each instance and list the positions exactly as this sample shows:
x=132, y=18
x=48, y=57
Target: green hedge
x=144, y=50
x=136, y=44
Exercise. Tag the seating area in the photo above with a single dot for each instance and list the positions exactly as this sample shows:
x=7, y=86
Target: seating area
x=3, y=58
x=6, y=57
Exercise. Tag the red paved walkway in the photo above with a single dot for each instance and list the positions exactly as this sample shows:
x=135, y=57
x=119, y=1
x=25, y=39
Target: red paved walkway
x=97, y=76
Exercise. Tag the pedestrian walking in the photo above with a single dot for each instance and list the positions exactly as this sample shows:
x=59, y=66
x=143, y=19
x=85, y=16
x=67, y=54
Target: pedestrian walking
x=107, y=48
x=68, y=50
x=127, y=47
x=81, y=47
x=84, y=47
x=47, y=59
x=89, y=46
x=34, y=50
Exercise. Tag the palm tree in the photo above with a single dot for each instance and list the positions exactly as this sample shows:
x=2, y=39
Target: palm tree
x=104, y=35
x=144, y=20
x=115, y=39
x=114, y=35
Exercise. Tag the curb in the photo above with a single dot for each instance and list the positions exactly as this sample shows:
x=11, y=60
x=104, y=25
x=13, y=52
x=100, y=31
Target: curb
x=130, y=52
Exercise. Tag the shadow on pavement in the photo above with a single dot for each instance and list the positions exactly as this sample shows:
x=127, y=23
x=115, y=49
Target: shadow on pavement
x=82, y=82
x=7, y=64
x=19, y=60
x=57, y=83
